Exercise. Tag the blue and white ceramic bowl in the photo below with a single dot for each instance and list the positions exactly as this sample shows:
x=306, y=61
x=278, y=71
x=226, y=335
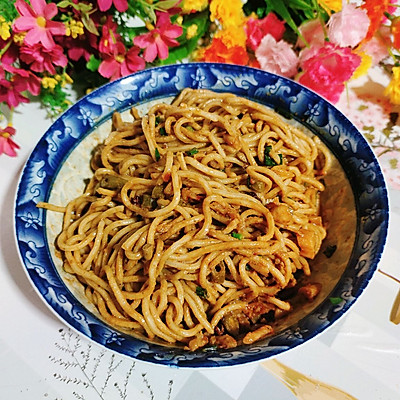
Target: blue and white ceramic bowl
x=356, y=204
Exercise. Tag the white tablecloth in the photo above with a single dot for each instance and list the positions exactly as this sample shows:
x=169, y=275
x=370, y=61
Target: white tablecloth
x=41, y=358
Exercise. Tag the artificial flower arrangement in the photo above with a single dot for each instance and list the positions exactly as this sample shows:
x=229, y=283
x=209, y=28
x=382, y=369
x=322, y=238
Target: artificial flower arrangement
x=47, y=47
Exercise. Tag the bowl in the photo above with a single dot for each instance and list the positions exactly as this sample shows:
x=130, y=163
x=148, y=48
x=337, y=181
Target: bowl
x=355, y=204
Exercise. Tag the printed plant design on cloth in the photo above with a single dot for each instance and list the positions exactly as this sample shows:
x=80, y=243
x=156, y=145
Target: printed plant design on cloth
x=379, y=121
x=87, y=372
x=46, y=46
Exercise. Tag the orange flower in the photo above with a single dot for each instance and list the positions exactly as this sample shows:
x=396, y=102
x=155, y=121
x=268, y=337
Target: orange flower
x=395, y=29
x=219, y=52
x=375, y=10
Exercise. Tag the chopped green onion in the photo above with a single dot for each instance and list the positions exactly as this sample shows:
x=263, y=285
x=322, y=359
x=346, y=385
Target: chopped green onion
x=268, y=160
x=237, y=235
x=335, y=300
x=147, y=201
x=162, y=131
x=330, y=250
x=189, y=128
x=192, y=152
x=157, y=154
x=201, y=292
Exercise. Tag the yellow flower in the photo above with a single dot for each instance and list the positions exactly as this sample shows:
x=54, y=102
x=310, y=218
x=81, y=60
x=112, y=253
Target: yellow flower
x=49, y=83
x=5, y=28
x=228, y=13
x=366, y=62
x=232, y=36
x=191, y=31
x=19, y=37
x=74, y=28
x=393, y=89
x=196, y=5
x=64, y=79
x=331, y=5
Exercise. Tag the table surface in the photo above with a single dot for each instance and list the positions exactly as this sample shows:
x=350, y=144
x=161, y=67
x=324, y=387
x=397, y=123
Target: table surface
x=357, y=358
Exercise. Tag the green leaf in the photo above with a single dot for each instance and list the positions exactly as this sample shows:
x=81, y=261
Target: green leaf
x=64, y=4
x=93, y=63
x=89, y=24
x=54, y=100
x=165, y=4
x=131, y=31
x=7, y=10
x=281, y=9
x=300, y=5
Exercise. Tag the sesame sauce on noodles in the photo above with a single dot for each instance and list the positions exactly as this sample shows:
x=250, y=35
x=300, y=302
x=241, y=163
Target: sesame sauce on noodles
x=198, y=215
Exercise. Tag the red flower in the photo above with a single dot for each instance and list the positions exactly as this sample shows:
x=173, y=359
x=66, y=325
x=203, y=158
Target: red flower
x=37, y=22
x=256, y=29
x=327, y=68
x=41, y=59
x=120, y=5
x=7, y=145
x=219, y=52
x=157, y=41
x=122, y=63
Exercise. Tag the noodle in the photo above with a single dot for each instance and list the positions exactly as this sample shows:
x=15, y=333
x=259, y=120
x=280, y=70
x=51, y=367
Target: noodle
x=197, y=216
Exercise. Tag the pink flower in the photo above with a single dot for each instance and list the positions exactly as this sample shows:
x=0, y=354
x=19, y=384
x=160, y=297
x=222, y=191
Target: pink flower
x=110, y=37
x=37, y=22
x=277, y=57
x=377, y=47
x=11, y=90
x=31, y=81
x=326, y=68
x=348, y=26
x=41, y=59
x=157, y=41
x=122, y=63
x=256, y=29
x=120, y=5
x=7, y=145
x=81, y=47
x=313, y=33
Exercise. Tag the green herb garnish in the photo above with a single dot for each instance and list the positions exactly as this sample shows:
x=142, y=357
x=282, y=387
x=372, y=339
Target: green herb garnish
x=201, y=292
x=157, y=154
x=192, y=152
x=335, y=300
x=330, y=250
x=237, y=235
x=162, y=131
x=268, y=160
